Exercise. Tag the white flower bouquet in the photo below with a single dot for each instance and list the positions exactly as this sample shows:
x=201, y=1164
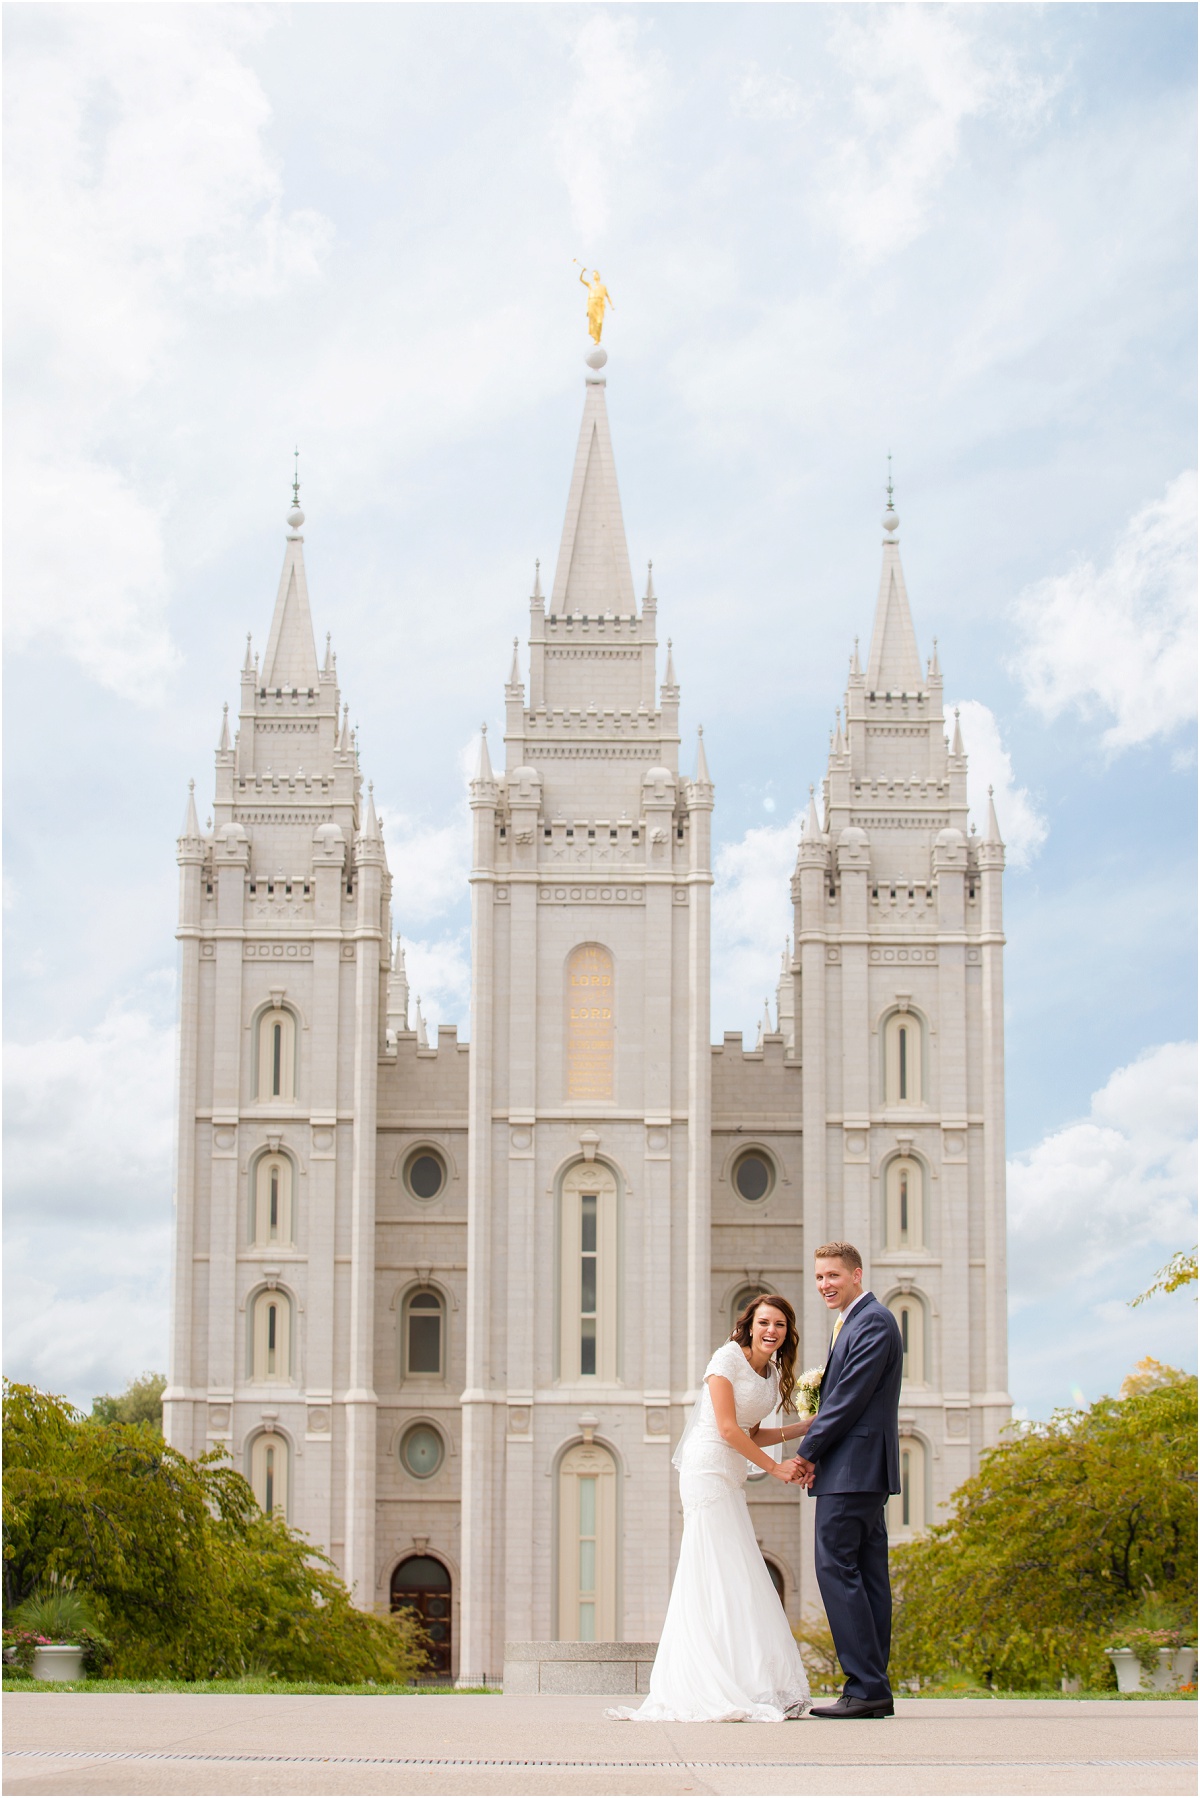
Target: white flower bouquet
x=808, y=1390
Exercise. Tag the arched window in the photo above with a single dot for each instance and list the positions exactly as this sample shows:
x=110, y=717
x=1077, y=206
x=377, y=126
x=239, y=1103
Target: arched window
x=423, y=1334
x=591, y=1032
x=740, y=1300
x=905, y=1195
x=276, y=1055
x=587, y=1547
x=909, y=1313
x=902, y=1059
x=422, y=1585
x=271, y=1223
x=269, y=1472
x=588, y=1274
x=906, y=1508
x=271, y=1339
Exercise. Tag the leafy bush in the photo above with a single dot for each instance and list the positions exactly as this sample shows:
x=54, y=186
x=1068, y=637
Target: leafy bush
x=141, y=1402
x=1062, y=1534
x=815, y=1639
x=188, y=1578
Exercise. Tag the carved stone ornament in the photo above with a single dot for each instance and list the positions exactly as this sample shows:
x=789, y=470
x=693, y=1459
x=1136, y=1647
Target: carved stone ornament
x=589, y=1142
x=318, y=1421
x=588, y=1425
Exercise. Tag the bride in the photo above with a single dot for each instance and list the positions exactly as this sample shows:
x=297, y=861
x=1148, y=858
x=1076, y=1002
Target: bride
x=726, y=1653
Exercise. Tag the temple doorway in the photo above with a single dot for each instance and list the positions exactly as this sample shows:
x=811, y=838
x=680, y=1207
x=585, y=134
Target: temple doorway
x=422, y=1584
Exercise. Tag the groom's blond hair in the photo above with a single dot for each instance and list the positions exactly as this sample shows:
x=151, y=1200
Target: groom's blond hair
x=845, y=1252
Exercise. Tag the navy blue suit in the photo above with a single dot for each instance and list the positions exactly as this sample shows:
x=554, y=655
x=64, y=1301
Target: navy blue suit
x=854, y=1445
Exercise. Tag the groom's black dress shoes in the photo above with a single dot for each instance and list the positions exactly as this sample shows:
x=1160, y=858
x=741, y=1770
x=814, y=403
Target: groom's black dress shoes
x=855, y=1707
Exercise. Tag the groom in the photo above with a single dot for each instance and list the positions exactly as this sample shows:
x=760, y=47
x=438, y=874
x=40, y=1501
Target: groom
x=851, y=1462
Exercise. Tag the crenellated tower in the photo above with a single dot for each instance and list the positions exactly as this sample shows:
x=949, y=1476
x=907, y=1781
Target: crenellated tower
x=898, y=1007
x=283, y=927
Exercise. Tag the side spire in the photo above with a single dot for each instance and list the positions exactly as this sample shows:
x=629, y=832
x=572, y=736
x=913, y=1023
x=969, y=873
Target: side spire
x=191, y=823
x=593, y=573
x=956, y=747
x=893, y=666
x=291, y=658
x=702, y=773
x=991, y=832
x=225, y=742
x=483, y=768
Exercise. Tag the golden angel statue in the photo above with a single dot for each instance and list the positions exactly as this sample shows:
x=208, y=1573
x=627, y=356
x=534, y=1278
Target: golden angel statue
x=598, y=298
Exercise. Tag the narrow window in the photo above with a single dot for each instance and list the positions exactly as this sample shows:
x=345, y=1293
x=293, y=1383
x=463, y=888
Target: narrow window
x=903, y=1062
x=272, y=1313
x=904, y=1336
x=587, y=1288
x=277, y=1061
x=906, y=1486
x=424, y=1333
x=587, y=1559
x=904, y=1207
x=273, y=1225
x=270, y=1477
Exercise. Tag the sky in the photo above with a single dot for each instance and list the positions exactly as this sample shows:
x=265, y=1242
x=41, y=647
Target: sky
x=964, y=236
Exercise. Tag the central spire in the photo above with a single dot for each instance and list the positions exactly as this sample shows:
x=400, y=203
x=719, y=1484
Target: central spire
x=894, y=665
x=291, y=658
x=593, y=573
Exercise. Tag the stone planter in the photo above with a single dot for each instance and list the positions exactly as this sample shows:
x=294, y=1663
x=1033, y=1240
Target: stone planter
x=1127, y=1668
x=60, y=1661
x=1176, y=1667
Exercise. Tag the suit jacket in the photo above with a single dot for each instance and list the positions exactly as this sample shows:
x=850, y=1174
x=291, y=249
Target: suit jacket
x=855, y=1440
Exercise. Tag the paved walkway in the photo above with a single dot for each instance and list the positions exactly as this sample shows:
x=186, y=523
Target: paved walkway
x=126, y=1743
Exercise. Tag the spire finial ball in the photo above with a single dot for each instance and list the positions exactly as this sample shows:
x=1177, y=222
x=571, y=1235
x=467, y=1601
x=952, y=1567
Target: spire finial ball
x=596, y=358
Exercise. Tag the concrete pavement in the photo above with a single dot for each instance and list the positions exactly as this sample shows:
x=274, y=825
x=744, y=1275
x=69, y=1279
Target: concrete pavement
x=458, y=1744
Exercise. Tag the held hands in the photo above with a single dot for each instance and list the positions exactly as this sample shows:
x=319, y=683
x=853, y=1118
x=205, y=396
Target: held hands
x=800, y=1472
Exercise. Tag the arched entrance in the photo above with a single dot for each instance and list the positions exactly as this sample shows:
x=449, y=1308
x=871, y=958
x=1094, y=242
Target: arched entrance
x=422, y=1584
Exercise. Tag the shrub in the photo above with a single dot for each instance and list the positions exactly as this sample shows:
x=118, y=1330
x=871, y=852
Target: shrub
x=186, y=1576
x=1056, y=1539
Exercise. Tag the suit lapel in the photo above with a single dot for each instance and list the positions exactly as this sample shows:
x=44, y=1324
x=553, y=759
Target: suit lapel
x=838, y=1348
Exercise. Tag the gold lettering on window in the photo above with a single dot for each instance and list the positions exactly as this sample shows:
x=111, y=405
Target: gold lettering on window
x=590, y=1032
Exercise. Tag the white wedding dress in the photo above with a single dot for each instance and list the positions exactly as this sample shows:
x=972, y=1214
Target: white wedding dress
x=726, y=1654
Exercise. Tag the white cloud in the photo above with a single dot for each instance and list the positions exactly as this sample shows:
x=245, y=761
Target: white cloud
x=751, y=918
x=767, y=94
x=89, y=1121
x=1124, y=1178
x=439, y=974
x=989, y=765
x=598, y=127
x=429, y=864
x=1120, y=641
x=917, y=76
x=138, y=186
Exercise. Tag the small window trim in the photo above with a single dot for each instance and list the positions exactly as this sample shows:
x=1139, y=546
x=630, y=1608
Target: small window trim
x=412, y=1154
x=407, y=1377
x=737, y=1154
x=406, y=1429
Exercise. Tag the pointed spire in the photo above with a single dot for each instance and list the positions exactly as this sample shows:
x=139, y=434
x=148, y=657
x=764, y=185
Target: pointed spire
x=248, y=664
x=785, y=961
x=329, y=656
x=537, y=580
x=514, y=676
x=669, y=678
x=344, y=739
x=397, y=997
x=225, y=744
x=893, y=665
x=855, y=664
x=956, y=747
x=935, y=667
x=812, y=824
x=191, y=823
x=593, y=573
x=291, y=658
x=398, y=955
x=370, y=830
x=483, y=768
x=766, y=1028
x=422, y=1033
x=650, y=593
x=839, y=742
x=992, y=831
x=702, y=773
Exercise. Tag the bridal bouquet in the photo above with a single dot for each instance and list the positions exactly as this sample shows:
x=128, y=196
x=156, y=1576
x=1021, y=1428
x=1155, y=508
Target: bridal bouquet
x=808, y=1390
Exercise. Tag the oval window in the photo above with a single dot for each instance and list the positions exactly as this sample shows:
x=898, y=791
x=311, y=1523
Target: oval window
x=753, y=1176
x=421, y=1451
x=425, y=1174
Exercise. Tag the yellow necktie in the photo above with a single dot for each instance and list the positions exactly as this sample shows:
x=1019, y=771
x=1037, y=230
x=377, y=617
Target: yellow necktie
x=837, y=1326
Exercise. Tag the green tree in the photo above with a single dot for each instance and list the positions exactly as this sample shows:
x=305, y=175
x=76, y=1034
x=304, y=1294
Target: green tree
x=1179, y=1271
x=141, y=1402
x=188, y=1577
x=1063, y=1532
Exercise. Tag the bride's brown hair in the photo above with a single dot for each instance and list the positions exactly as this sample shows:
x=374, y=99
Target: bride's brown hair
x=785, y=1355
